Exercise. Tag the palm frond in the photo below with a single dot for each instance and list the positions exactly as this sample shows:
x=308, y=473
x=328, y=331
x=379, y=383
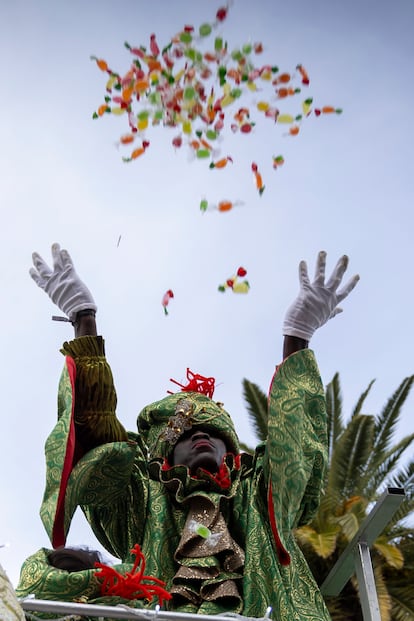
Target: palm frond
x=350, y=456
x=322, y=543
x=334, y=411
x=256, y=402
x=349, y=524
x=404, y=477
x=378, y=476
x=391, y=553
x=400, y=583
x=387, y=420
x=384, y=599
x=357, y=409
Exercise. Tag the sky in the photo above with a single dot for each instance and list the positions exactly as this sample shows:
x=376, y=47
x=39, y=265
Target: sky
x=135, y=230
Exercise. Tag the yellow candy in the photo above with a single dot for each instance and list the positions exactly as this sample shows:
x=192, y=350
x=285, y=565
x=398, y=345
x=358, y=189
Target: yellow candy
x=118, y=111
x=179, y=75
x=266, y=75
x=142, y=124
x=285, y=118
x=241, y=287
x=226, y=101
x=110, y=82
x=306, y=107
x=263, y=106
x=187, y=127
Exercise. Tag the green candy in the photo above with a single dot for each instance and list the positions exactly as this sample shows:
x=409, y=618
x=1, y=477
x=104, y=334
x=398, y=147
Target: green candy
x=202, y=531
x=204, y=30
x=185, y=37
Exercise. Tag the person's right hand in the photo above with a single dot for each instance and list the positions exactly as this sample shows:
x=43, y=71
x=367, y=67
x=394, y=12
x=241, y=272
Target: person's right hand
x=62, y=284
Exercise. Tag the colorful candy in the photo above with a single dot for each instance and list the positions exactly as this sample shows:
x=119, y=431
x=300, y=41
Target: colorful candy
x=223, y=205
x=168, y=295
x=200, y=92
x=303, y=74
x=278, y=160
x=222, y=162
x=327, y=110
x=235, y=284
x=258, y=179
x=137, y=152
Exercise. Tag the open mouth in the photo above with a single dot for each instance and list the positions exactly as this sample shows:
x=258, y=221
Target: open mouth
x=200, y=444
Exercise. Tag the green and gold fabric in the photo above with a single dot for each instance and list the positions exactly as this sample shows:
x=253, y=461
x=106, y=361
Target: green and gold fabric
x=38, y=577
x=221, y=543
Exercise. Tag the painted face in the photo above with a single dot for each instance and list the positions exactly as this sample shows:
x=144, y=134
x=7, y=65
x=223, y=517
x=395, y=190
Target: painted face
x=199, y=449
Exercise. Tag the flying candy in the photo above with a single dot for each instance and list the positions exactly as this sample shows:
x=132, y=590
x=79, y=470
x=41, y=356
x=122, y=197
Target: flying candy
x=327, y=110
x=235, y=284
x=258, y=179
x=278, y=161
x=304, y=75
x=199, y=91
x=224, y=205
x=137, y=152
x=168, y=295
x=222, y=162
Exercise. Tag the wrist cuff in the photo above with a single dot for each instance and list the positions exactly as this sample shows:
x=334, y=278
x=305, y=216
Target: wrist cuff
x=87, y=312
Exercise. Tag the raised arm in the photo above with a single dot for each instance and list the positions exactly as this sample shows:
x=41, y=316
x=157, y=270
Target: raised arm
x=95, y=401
x=90, y=457
x=297, y=434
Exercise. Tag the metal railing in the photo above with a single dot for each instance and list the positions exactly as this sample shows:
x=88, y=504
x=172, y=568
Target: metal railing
x=69, y=610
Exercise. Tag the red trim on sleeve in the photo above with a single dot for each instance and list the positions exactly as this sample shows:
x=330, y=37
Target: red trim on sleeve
x=58, y=533
x=282, y=553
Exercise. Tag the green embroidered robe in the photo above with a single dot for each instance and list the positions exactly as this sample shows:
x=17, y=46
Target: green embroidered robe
x=127, y=499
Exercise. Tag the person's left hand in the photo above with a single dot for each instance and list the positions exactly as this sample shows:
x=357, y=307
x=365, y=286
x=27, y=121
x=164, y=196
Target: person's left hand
x=318, y=301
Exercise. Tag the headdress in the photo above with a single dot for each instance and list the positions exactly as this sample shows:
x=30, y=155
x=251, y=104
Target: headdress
x=162, y=423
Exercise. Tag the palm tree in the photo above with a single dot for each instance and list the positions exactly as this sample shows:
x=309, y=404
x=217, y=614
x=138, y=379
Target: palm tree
x=363, y=461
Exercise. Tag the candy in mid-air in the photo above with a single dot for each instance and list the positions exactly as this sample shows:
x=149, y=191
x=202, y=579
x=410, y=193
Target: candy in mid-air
x=303, y=74
x=278, y=160
x=235, y=284
x=222, y=162
x=223, y=205
x=327, y=110
x=168, y=295
x=201, y=87
x=258, y=179
x=137, y=152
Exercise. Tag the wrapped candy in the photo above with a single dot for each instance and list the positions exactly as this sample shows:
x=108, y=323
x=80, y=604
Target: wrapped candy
x=235, y=284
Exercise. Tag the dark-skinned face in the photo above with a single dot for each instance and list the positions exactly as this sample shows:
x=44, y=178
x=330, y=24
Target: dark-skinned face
x=199, y=449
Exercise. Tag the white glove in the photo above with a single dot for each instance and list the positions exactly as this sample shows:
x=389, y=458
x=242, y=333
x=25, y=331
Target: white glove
x=63, y=285
x=317, y=301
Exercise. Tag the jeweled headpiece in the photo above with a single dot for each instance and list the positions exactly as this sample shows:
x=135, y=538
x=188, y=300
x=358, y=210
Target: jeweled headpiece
x=162, y=423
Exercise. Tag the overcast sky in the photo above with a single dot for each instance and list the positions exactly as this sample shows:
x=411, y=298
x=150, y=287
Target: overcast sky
x=135, y=230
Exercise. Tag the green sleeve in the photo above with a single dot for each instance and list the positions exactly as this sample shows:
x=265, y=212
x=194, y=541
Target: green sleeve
x=106, y=474
x=297, y=441
x=39, y=578
x=95, y=395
